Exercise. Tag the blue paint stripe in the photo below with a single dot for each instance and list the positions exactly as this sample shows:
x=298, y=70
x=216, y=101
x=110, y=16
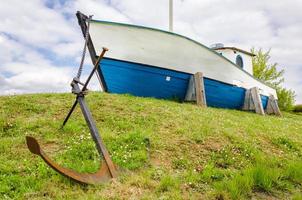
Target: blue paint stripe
x=147, y=81
x=223, y=95
x=142, y=80
x=264, y=100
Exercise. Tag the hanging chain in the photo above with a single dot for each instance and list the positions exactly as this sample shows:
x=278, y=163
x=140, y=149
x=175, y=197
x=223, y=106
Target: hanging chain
x=84, y=49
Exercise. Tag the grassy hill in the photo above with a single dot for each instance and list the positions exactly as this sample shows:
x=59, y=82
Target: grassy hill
x=194, y=153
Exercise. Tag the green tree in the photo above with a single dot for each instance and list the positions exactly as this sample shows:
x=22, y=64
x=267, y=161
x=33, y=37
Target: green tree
x=268, y=73
x=286, y=98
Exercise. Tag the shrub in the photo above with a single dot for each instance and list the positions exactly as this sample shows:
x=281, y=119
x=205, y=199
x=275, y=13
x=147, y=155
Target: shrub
x=298, y=108
x=286, y=98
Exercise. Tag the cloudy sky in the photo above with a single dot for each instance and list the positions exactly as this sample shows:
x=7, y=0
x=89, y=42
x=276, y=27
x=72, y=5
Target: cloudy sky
x=41, y=42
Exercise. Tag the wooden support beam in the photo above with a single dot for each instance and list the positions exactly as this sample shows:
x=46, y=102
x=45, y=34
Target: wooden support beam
x=247, y=100
x=199, y=89
x=272, y=106
x=196, y=90
x=252, y=101
x=190, y=95
x=257, y=101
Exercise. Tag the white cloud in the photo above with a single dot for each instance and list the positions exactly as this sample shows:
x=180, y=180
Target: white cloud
x=34, y=24
x=99, y=10
x=28, y=32
x=30, y=27
x=48, y=79
x=29, y=71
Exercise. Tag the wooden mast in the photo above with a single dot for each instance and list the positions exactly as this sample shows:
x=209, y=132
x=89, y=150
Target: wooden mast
x=171, y=15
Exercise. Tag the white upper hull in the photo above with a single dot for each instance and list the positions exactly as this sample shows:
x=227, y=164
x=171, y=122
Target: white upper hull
x=168, y=50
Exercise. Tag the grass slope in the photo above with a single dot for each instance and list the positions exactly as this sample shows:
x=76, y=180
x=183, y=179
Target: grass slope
x=194, y=153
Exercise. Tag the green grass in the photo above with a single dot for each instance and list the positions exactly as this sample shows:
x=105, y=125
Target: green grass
x=164, y=150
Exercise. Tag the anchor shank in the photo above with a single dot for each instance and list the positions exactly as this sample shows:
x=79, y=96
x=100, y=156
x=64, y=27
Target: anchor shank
x=85, y=84
x=95, y=134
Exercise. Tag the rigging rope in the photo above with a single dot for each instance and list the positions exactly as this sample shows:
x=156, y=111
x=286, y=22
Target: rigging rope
x=84, y=49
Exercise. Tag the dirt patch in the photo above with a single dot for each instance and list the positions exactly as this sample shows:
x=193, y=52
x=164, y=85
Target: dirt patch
x=214, y=144
x=121, y=191
x=269, y=148
x=261, y=195
x=51, y=147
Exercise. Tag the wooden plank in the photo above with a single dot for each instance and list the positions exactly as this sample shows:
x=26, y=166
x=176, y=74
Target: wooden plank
x=195, y=90
x=276, y=107
x=246, y=104
x=257, y=101
x=251, y=103
x=272, y=106
x=199, y=89
x=190, y=95
x=269, y=108
x=203, y=90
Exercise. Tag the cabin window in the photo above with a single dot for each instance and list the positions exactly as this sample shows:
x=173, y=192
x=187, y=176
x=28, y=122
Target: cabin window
x=239, y=61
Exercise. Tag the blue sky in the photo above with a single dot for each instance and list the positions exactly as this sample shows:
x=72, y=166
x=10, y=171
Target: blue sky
x=41, y=43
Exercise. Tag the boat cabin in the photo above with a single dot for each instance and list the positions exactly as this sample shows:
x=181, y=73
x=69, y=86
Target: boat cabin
x=240, y=57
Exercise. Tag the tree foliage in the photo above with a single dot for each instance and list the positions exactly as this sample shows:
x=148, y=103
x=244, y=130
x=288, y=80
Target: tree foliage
x=286, y=98
x=268, y=73
x=265, y=71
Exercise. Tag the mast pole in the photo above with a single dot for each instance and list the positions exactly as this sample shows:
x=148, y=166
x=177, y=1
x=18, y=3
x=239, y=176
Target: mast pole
x=171, y=15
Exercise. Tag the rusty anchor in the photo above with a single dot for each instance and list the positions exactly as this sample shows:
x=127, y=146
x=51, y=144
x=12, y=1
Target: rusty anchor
x=107, y=170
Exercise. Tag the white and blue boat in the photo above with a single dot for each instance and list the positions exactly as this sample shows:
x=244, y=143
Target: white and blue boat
x=149, y=62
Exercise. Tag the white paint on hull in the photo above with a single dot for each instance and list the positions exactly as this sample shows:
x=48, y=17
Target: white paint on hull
x=168, y=50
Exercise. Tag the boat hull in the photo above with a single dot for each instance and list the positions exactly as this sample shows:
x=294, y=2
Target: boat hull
x=124, y=77
x=169, y=51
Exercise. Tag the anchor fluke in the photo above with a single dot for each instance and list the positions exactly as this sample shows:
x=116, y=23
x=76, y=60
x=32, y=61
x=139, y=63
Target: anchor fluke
x=33, y=145
x=102, y=175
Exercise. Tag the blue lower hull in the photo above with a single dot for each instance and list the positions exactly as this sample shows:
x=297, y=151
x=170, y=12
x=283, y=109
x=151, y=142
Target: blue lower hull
x=147, y=81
